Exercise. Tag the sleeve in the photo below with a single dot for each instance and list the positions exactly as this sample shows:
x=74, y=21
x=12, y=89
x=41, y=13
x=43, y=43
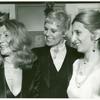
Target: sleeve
x=35, y=81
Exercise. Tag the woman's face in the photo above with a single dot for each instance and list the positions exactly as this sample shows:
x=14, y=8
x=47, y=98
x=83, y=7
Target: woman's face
x=81, y=37
x=53, y=34
x=5, y=38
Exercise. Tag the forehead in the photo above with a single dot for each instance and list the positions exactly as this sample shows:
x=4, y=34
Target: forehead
x=51, y=25
x=78, y=26
x=3, y=28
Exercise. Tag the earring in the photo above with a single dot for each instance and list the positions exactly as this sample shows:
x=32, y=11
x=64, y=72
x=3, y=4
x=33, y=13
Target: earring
x=94, y=47
x=93, y=50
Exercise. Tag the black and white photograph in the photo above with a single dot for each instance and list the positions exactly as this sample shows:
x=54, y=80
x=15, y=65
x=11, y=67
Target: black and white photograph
x=50, y=49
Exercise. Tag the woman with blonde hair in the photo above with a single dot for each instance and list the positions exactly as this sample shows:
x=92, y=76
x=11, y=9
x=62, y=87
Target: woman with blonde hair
x=57, y=57
x=18, y=73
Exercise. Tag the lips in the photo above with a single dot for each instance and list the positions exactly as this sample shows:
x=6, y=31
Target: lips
x=3, y=46
x=77, y=44
x=48, y=38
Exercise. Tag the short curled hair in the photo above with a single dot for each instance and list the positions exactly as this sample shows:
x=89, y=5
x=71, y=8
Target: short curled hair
x=20, y=43
x=59, y=16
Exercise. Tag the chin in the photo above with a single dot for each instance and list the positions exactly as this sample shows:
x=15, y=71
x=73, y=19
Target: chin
x=4, y=53
x=48, y=44
x=80, y=50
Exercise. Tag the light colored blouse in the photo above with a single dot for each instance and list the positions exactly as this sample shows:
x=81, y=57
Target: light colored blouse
x=13, y=78
x=88, y=88
x=58, y=54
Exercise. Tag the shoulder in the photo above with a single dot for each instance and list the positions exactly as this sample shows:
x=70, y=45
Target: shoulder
x=41, y=50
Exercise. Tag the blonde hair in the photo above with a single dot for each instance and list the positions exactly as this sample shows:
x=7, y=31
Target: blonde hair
x=59, y=16
x=20, y=43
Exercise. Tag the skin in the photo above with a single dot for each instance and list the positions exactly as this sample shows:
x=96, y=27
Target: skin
x=53, y=34
x=4, y=41
x=82, y=38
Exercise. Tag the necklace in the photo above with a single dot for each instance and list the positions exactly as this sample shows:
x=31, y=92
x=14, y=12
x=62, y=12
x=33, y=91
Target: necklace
x=82, y=73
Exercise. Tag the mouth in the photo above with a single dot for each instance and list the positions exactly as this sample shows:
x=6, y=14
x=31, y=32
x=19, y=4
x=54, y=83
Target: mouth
x=77, y=44
x=2, y=46
x=48, y=38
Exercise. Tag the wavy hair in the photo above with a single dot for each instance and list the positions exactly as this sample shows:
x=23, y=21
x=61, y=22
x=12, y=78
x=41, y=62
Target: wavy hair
x=20, y=44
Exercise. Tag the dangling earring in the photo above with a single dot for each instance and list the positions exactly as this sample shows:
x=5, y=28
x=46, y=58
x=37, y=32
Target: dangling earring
x=94, y=47
x=93, y=50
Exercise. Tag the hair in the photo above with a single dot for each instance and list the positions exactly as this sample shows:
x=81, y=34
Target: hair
x=3, y=16
x=20, y=43
x=90, y=19
x=59, y=16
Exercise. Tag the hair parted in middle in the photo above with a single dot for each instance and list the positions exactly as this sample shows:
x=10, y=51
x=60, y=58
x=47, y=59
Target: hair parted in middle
x=20, y=42
x=91, y=21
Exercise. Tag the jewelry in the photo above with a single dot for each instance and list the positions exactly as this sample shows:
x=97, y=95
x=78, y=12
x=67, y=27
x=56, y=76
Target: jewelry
x=94, y=47
x=81, y=75
x=93, y=50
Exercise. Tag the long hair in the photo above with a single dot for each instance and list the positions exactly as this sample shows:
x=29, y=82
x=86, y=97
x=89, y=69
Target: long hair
x=20, y=43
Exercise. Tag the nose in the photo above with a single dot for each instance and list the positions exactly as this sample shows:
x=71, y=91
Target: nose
x=47, y=32
x=1, y=39
x=73, y=38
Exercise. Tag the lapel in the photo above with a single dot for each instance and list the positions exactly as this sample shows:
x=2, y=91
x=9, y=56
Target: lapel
x=2, y=83
x=45, y=60
x=26, y=81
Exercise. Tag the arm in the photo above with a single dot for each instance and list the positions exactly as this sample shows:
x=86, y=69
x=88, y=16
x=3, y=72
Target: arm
x=35, y=81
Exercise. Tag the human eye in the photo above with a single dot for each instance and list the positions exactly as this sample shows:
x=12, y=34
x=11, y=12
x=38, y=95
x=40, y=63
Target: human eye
x=53, y=30
x=45, y=28
x=78, y=32
x=6, y=34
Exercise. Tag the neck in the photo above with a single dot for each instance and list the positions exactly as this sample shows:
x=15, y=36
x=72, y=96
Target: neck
x=9, y=59
x=59, y=45
x=92, y=56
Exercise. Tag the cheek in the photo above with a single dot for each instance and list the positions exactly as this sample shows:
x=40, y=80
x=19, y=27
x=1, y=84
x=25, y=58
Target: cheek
x=58, y=36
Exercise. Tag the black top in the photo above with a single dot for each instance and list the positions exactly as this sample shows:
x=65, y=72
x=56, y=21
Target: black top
x=58, y=81
x=30, y=83
x=54, y=84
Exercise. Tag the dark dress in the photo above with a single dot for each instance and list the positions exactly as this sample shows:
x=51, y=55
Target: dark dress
x=30, y=83
x=54, y=84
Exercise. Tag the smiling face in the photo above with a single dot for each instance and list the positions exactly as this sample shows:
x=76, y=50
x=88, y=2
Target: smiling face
x=53, y=34
x=81, y=37
x=4, y=41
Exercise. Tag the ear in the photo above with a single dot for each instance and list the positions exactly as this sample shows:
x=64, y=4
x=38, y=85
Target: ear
x=97, y=34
